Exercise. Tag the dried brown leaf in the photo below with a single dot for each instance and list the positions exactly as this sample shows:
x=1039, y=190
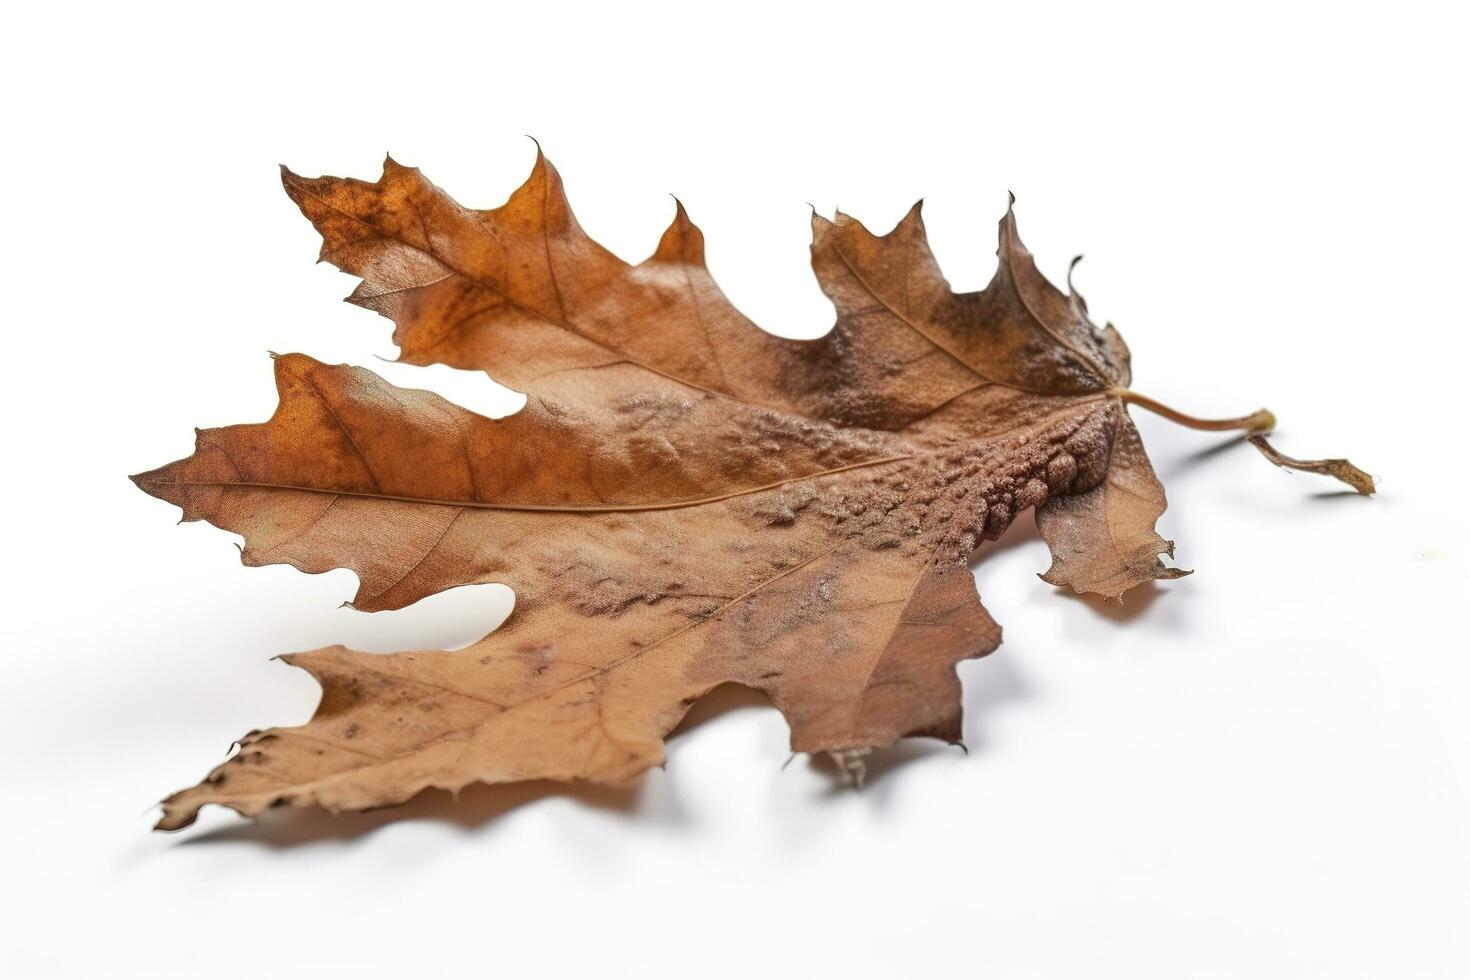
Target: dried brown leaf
x=684, y=501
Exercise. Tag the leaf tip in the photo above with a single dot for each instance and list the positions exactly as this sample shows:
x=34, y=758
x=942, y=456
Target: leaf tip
x=392, y=166
x=820, y=222
x=176, y=815
x=292, y=182
x=170, y=822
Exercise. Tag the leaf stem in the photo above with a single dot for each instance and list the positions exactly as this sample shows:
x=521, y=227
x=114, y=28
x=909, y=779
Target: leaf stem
x=1255, y=423
x=1258, y=421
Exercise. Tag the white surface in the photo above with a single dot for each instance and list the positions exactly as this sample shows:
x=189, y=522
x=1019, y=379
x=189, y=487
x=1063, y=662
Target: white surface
x=1259, y=771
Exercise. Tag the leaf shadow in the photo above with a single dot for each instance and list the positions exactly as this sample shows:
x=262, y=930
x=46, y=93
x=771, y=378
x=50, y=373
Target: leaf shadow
x=879, y=766
x=477, y=805
x=1134, y=603
x=1183, y=464
x=1339, y=495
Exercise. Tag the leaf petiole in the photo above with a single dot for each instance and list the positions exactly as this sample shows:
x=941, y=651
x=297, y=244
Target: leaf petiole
x=1258, y=421
x=1254, y=424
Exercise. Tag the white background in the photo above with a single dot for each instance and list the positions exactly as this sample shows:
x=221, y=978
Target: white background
x=1259, y=771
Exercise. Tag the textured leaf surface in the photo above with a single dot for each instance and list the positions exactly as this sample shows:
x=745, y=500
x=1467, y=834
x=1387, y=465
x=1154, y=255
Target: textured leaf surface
x=684, y=501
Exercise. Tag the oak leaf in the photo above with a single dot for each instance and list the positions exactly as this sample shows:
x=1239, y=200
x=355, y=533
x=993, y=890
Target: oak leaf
x=684, y=501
